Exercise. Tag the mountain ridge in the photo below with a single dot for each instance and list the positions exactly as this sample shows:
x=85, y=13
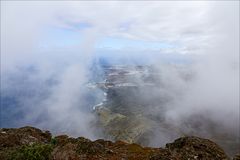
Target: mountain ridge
x=32, y=143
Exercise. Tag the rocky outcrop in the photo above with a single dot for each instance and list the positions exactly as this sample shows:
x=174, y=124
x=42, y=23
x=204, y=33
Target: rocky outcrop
x=14, y=141
x=26, y=135
x=30, y=143
x=196, y=148
x=237, y=157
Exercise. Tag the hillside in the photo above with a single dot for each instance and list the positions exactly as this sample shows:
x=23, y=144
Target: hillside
x=30, y=143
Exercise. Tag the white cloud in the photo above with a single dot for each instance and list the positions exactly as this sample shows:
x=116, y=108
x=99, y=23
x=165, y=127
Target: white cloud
x=198, y=27
x=191, y=24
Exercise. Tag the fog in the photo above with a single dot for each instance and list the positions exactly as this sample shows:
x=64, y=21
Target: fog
x=45, y=85
x=215, y=89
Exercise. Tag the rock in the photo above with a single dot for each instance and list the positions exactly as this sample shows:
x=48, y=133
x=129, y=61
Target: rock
x=25, y=135
x=236, y=157
x=196, y=148
x=65, y=147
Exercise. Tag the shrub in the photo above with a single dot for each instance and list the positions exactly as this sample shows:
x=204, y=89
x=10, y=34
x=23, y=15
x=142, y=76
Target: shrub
x=32, y=152
x=53, y=141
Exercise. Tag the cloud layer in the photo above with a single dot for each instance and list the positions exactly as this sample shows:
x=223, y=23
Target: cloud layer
x=208, y=29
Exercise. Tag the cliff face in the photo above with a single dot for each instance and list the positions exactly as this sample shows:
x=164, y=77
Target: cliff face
x=30, y=143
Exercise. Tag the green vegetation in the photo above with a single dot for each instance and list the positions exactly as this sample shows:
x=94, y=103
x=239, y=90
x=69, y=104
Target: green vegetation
x=32, y=152
x=53, y=141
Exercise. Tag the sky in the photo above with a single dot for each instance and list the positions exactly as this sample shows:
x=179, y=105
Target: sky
x=167, y=27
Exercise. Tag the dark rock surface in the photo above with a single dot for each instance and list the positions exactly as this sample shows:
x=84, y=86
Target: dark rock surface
x=196, y=148
x=32, y=143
